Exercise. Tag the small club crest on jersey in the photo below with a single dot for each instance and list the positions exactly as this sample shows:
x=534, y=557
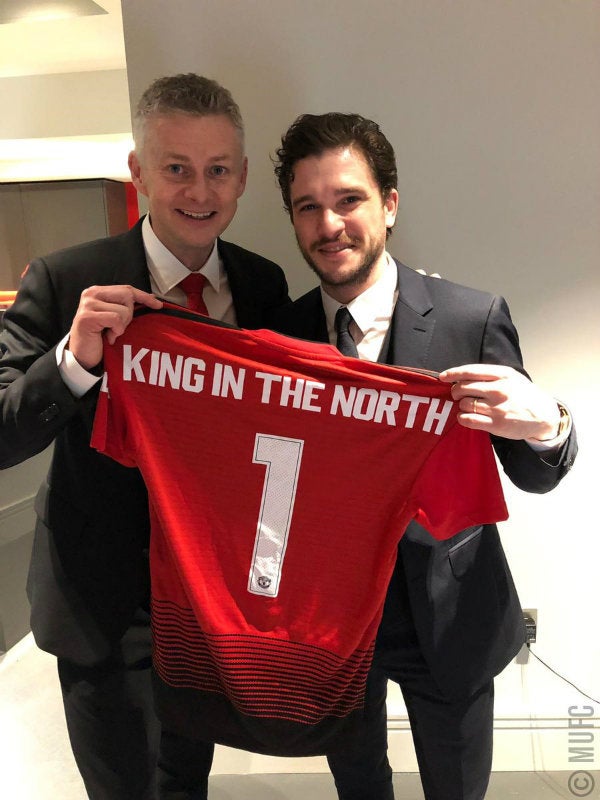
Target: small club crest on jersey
x=263, y=582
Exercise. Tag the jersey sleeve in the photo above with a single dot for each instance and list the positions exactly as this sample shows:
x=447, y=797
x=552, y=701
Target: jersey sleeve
x=459, y=485
x=109, y=434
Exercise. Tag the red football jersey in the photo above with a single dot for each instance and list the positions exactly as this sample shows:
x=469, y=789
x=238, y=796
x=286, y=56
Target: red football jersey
x=281, y=476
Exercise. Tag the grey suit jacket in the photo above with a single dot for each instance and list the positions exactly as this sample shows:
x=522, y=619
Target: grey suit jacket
x=462, y=597
x=89, y=569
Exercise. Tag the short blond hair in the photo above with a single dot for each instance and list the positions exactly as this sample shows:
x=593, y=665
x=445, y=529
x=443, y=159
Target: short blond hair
x=185, y=94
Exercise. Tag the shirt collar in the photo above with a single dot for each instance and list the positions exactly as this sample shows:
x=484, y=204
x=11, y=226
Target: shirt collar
x=374, y=304
x=167, y=270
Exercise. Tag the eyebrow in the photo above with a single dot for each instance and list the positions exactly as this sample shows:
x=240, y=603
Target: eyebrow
x=305, y=198
x=180, y=157
x=176, y=157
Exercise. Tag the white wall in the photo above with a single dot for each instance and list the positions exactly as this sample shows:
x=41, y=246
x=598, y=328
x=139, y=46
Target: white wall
x=492, y=107
x=65, y=125
x=65, y=104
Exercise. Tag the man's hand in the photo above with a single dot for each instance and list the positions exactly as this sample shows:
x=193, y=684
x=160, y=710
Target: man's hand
x=103, y=309
x=503, y=402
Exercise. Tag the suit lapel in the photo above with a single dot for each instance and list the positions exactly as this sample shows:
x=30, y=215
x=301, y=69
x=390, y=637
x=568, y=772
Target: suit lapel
x=306, y=318
x=317, y=318
x=130, y=267
x=242, y=291
x=411, y=329
x=412, y=322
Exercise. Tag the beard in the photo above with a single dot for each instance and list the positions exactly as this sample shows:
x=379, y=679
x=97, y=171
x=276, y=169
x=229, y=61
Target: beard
x=358, y=275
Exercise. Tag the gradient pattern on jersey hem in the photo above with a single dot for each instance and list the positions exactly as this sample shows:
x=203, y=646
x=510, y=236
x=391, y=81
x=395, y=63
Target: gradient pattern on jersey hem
x=260, y=676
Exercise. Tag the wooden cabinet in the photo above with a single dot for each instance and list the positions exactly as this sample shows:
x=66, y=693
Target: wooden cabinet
x=37, y=218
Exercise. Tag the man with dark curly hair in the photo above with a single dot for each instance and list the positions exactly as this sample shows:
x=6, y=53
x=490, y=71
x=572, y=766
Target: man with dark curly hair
x=452, y=619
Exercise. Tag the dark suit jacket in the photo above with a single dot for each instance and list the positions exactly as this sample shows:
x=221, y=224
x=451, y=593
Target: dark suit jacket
x=89, y=569
x=462, y=597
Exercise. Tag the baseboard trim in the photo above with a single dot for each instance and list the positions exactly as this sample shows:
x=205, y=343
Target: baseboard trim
x=16, y=520
x=521, y=744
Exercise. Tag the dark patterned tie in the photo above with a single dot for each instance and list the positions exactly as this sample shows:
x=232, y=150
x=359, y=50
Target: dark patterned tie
x=345, y=343
x=193, y=286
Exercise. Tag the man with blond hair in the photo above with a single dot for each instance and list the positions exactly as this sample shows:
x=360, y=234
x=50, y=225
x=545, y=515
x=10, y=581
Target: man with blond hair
x=89, y=581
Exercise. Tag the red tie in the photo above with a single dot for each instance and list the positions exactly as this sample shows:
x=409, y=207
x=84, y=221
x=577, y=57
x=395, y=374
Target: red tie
x=193, y=286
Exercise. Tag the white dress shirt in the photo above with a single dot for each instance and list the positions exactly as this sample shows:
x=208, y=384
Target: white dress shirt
x=371, y=313
x=371, y=317
x=166, y=272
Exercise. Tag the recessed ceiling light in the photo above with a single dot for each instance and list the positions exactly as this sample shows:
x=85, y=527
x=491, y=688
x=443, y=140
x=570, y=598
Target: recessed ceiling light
x=45, y=10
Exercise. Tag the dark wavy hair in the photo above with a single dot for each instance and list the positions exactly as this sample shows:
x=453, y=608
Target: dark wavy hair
x=312, y=134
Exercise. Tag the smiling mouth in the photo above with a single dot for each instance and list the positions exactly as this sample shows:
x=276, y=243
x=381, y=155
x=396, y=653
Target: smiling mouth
x=197, y=214
x=333, y=247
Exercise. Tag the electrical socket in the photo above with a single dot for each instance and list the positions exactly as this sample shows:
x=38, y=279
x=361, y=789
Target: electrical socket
x=530, y=620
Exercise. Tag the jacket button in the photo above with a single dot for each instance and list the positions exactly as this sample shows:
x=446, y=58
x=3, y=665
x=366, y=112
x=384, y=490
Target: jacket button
x=49, y=413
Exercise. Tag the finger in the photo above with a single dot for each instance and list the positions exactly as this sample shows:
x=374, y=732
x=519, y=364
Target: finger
x=476, y=372
x=473, y=406
x=96, y=315
x=492, y=392
x=476, y=422
x=85, y=338
x=125, y=295
x=114, y=322
x=112, y=335
x=146, y=299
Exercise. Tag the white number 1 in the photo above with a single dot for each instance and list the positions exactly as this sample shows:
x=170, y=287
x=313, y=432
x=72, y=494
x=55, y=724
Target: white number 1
x=282, y=459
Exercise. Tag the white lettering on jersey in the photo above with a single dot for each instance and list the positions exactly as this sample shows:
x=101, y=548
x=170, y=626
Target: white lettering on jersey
x=441, y=416
x=177, y=371
x=157, y=368
x=268, y=380
x=382, y=406
x=282, y=459
x=226, y=382
x=297, y=392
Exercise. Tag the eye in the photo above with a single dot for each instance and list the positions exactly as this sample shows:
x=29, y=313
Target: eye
x=307, y=207
x=218, y=170
x=351, y=199
x=175, y=169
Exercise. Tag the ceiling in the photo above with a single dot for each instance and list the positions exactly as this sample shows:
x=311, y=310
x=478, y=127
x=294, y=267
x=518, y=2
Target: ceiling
x=37, y=10
x=66, y=36
x=39, y=37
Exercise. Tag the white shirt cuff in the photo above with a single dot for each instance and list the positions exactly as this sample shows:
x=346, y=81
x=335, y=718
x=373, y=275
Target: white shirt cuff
x=78, y=380
x=552, y=444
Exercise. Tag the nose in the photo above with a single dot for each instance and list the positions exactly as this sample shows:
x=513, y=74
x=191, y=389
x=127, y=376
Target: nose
x=331, y=224
x=197, y=189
